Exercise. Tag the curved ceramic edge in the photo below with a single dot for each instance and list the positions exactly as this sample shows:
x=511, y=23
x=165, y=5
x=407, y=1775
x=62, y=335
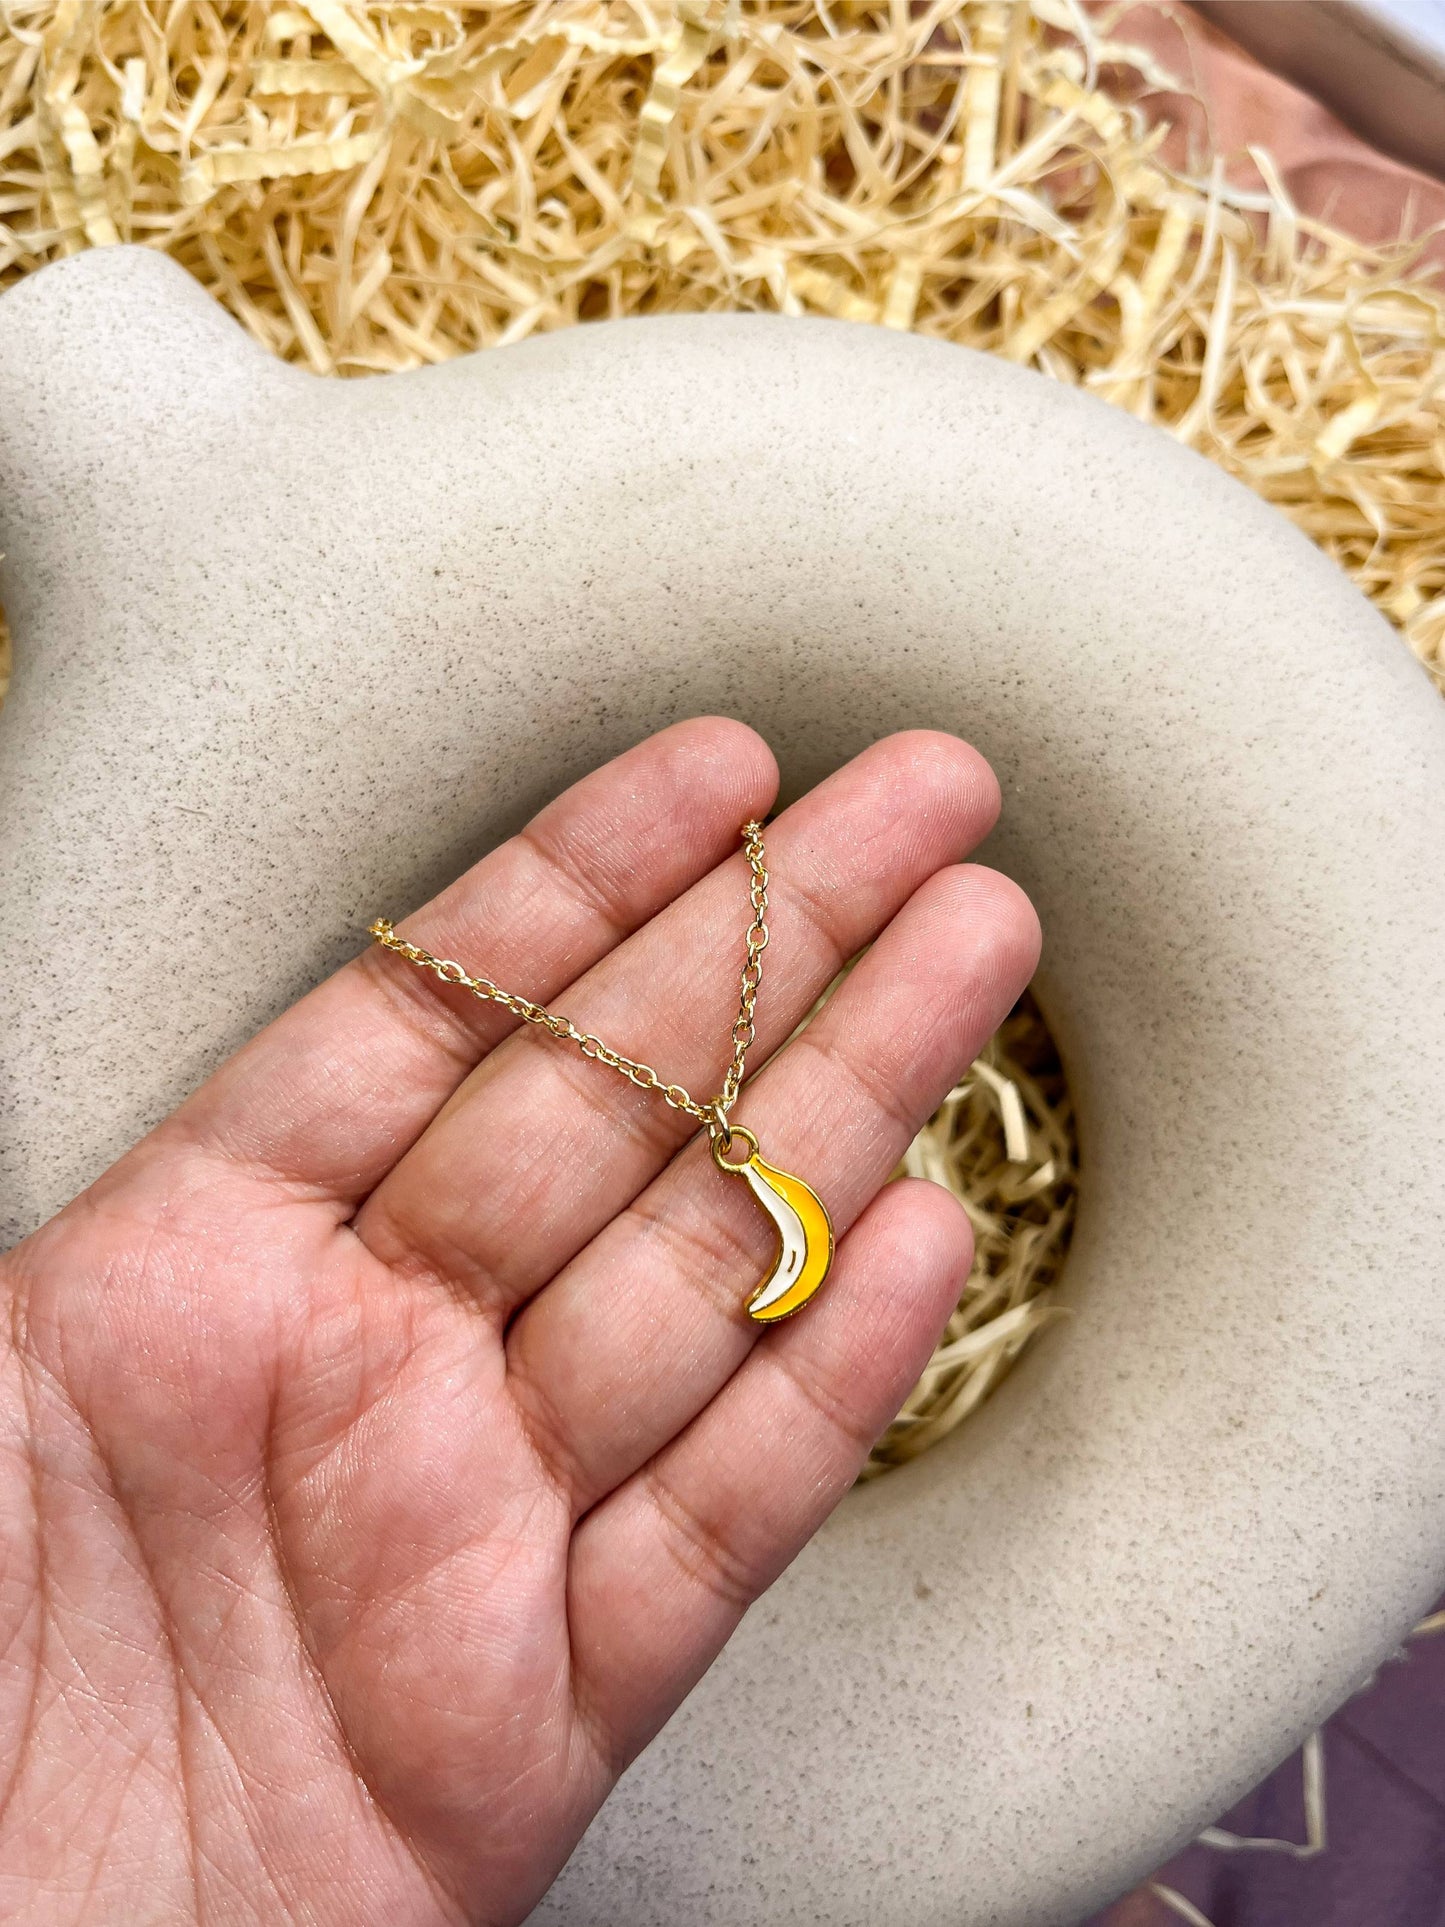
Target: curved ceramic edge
x=1004, y=1681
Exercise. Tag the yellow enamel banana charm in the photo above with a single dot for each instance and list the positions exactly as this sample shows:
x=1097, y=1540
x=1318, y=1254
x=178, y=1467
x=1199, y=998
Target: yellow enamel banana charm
x=805, y=1231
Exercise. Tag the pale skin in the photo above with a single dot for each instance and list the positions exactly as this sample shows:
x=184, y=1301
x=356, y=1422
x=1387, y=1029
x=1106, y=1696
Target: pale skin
x=387, y=1451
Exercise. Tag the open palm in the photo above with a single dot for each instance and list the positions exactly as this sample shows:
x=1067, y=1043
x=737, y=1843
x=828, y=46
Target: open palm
x=387, y=1449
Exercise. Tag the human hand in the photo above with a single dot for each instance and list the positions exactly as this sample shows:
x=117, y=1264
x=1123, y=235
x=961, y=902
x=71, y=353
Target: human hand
x=387, y=1449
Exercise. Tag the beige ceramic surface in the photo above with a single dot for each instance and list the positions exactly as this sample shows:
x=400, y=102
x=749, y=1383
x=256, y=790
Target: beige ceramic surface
x=292, y=652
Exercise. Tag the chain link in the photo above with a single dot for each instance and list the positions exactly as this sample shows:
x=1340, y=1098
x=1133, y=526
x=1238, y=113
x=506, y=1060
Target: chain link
x=744, y=1029
x=714, y=1114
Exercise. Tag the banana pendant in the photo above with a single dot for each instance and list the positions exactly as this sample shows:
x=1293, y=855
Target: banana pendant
x=805, y=1231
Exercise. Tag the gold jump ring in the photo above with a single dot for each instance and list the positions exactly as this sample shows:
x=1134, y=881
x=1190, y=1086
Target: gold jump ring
x=723, y=1141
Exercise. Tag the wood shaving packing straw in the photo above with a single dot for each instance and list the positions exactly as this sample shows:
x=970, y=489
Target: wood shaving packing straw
x=368, y=189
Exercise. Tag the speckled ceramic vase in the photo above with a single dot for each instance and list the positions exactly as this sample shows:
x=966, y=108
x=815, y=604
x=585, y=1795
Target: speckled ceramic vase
x=1006, y=1680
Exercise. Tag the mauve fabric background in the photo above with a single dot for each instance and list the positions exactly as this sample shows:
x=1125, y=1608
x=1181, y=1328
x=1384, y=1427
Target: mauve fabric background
x=1232, y=104
x=1384, y=1859
x=1384, y=1752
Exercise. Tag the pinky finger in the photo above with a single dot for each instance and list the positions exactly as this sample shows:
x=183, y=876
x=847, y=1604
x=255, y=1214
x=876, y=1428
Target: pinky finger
x=663, y=1569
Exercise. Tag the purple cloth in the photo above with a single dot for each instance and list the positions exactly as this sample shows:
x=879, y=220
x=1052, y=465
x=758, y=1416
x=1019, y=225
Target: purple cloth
x=1384, y=1861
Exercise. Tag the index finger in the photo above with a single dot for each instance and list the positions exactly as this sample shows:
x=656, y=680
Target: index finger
x=334, y=1092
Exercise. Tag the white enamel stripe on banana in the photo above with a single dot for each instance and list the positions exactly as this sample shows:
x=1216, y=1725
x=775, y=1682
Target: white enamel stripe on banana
x=805, y=1240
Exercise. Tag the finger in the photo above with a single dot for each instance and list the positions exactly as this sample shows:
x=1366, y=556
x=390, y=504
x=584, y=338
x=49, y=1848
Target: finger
x=333, y=1092
x=662, y=1571
x=641, y=1330
x=542, y=1147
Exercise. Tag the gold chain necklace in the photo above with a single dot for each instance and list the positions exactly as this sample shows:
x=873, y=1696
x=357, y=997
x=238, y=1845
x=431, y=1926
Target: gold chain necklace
x=805, y=1231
